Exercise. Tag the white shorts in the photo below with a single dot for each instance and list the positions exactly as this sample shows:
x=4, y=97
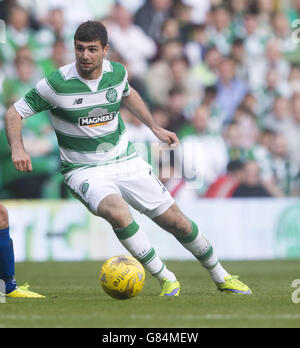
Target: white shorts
x=132, y=179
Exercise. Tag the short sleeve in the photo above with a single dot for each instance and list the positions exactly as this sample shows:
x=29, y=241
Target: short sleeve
x=40, y=98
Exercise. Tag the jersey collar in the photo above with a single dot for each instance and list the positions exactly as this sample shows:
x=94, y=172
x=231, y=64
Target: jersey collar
x=73, y=73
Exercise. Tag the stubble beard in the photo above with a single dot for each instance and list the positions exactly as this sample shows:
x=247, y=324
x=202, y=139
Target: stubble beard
x=87, y=74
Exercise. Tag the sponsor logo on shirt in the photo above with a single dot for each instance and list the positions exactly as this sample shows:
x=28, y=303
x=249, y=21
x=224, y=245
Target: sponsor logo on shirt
x=97, y=117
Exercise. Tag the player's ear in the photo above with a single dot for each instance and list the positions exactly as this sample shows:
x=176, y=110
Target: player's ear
x=105, y=50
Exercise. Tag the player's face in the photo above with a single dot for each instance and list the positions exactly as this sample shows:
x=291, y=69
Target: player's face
x=89, y=58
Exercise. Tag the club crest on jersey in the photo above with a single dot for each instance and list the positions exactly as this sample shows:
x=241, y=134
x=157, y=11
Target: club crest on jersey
x=97, y=117
x=111, y=95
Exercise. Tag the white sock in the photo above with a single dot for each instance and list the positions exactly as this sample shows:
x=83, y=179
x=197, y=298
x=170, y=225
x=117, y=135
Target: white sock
x=200, y=247
x=134, y=239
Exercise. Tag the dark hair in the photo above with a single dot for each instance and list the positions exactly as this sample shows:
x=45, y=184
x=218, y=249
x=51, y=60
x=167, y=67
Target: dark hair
x=211, y=90
x=175, y=91
x=234, y=166
x=92, y=31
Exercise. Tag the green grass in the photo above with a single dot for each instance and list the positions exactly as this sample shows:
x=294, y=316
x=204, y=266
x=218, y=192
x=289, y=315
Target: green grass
x=80, y=302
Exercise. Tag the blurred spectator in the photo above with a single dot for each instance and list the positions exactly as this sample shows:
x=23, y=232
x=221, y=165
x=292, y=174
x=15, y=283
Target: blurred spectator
x=132, y=5
x=176, y=106
x=255, y=39
x=293, y=85
x=124, y=35
x=282, y=32
x=196, y=47
x=205, y=73
x=275, y=60
x=249, y=131
x=183, y=13
x=38, y=138
x=239, y=56
x=233, y=139
x=231, y=90
x=204, y=152
x=151, y=16
x=285, y=181
x=267, y=93
x=13, y=89
x=170, y=30
x=56, y=29
x=219, y=31
x=265, y=9
x=158, y=79
x=226, y=184
x=280, y=117
x=238, y=9
x=18, y=33
x=251, y=186
x=250, y=103
x=209, y=99
x=135, y=82
x=75, y=11
x=57, y=58
x=183, y=78
x=199, y=10
x=240, y=149
x=266, y=138
x=292, y=132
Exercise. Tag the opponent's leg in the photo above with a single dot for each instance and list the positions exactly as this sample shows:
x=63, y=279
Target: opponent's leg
x=188, y=234
x=115, y=210
x=7, y=262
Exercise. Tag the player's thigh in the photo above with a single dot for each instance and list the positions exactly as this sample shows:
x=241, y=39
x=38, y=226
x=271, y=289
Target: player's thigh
x=115, y=210
x=144, y=192
x=90, y=189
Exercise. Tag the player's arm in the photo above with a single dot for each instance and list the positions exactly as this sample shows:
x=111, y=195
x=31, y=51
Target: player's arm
x=134, y=103
x=38, y=99
x=13, y=125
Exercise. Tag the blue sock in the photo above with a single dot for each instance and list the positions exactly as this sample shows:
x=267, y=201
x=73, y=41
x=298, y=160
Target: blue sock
x=7, y=261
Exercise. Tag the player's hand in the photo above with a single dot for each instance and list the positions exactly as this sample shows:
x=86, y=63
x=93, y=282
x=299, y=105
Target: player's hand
x=21, y=161
x=167, y=137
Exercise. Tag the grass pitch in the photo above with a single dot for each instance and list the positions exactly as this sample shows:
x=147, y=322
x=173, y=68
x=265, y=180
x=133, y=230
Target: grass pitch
x=80, y=302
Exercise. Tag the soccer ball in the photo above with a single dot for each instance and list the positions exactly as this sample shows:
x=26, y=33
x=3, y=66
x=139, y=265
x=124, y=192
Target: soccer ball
x=122, y=277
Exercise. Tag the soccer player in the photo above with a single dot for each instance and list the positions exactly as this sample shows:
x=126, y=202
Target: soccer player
x=99, y=163
x=7, y=262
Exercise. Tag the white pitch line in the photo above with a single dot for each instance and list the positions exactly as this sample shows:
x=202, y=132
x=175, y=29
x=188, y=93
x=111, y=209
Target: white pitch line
x=223, y=317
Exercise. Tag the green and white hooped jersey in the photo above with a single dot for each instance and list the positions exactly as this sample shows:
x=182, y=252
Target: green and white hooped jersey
x=87, y=123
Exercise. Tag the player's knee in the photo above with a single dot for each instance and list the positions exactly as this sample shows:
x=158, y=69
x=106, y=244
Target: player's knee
x=3, y=217
x=179, y=226
x=182, y=225
x=115, y=212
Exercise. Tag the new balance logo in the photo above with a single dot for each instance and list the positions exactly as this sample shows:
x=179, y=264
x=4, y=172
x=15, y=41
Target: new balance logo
x=78, y=101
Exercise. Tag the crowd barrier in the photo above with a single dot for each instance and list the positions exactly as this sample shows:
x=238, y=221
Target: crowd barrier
x=239, y=229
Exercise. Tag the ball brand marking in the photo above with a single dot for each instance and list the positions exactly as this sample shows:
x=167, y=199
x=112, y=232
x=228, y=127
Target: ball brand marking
x=121, y=277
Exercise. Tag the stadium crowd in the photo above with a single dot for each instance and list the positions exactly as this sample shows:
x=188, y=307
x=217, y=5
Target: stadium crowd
x=225, y=74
